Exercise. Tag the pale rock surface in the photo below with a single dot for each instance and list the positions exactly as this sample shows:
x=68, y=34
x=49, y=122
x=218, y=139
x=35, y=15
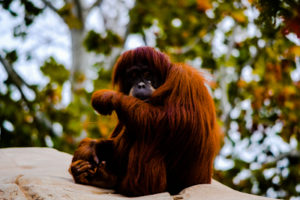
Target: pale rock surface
x=42, y=174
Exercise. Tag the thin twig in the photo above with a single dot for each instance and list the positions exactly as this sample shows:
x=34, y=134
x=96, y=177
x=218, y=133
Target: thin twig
x=15, y=78
x=49, y=5
x=95, y=4
x=18, y=81
x=291, y=154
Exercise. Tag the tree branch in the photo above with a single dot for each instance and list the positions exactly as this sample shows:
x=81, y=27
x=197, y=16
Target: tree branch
x=95, y=4
x=14, y=77
x=49, y=5
x=291, y=154
x=18, y=81
x=127, y=31
x=79, y=11
x=144, y=38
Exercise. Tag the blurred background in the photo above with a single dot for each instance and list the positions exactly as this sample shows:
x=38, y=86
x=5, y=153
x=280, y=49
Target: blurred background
x=54, y=54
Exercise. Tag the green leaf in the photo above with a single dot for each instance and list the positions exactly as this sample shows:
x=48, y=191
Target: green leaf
x=56, y=72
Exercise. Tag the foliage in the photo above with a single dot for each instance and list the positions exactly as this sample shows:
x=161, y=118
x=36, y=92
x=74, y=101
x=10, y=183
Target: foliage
x=95, y=42
x=246, y=45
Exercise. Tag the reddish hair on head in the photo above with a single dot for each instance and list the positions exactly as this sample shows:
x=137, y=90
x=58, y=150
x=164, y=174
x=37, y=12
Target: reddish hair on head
x=154, y=59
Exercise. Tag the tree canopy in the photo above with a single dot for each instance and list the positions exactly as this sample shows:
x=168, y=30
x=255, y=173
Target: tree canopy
x=251, y=48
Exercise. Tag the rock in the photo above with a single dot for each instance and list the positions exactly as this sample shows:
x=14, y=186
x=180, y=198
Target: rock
x=42, y=173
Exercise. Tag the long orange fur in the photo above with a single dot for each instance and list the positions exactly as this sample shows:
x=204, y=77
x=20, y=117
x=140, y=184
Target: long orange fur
x=167, y=143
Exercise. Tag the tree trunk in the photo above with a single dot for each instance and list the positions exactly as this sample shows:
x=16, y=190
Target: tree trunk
x=79, y=59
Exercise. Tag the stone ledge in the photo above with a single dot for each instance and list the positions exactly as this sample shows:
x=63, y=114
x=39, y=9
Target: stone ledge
x=42, y=173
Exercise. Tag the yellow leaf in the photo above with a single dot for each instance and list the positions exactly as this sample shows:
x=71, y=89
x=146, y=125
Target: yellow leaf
x=103, y=129
x=241, y=84
x=289, y=90
x=289, y=105
x=203, y=5
x=202, y=33
x=295, y=50
x=185, y=34
x=107, y=123
x=193, y=19
x=28, y=118
x=239, y=16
